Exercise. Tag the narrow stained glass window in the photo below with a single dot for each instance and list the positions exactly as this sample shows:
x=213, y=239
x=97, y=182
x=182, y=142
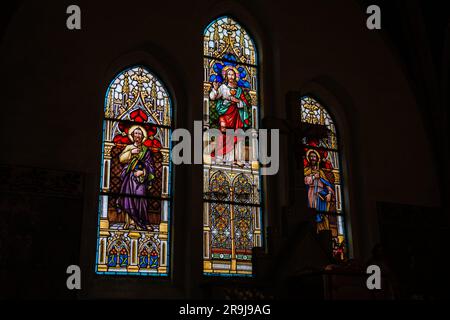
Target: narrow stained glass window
x=323, y=174
x=231, y=182
x=135, y=187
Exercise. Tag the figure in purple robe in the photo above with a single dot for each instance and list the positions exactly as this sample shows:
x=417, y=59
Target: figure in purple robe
x=137, y=175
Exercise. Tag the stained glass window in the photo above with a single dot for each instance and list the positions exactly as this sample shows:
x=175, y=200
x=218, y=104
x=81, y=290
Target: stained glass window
x=323, y=174
x=135, y=186
x=231, y=182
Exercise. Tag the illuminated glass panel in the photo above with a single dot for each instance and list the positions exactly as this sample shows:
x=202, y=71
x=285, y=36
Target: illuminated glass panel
x=322, y=173
x=135, y=187
x=231, y=182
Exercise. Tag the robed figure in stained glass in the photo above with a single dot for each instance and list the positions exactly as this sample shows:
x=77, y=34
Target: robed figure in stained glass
x=233, y=107
x=137, y=175
x=319, y=182
x=135, y=200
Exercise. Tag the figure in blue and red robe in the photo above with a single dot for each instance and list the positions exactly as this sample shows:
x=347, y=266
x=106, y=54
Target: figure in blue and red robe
x=233, y=108
x=319, y=183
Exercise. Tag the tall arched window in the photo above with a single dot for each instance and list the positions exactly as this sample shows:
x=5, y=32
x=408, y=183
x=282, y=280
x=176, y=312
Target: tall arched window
x=231, y=184
x=323, y=173
x=135, y=185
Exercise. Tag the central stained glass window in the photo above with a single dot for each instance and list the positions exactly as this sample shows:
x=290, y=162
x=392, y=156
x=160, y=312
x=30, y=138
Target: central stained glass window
x=231, y=182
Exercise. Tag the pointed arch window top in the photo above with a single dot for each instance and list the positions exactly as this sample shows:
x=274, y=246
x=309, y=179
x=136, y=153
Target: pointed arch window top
x=226, y=39
x=138, y=95
x=318, y=124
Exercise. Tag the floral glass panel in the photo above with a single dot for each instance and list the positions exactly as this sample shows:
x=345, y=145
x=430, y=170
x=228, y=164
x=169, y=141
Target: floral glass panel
x=135, y=187
x=322, y=173
x=231, y=183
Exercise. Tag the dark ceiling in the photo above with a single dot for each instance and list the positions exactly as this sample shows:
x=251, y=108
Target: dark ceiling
x=417, y=32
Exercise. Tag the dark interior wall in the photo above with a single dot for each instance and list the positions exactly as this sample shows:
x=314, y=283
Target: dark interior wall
x=54, y=81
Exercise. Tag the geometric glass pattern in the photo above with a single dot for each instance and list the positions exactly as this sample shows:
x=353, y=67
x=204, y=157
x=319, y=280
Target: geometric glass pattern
x=135, y=186
x=322, y=173
x=231, y=182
